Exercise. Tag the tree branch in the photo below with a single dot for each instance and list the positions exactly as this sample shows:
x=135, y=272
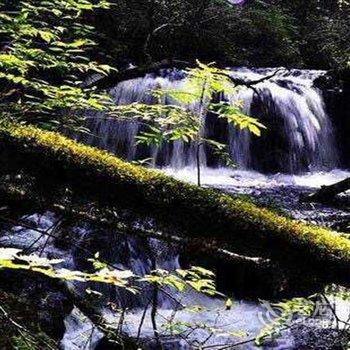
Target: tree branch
x=107, y=82
x=326, y=194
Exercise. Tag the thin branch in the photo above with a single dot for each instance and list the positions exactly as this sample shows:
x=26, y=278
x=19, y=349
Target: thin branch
x=250, y=83
x=22, y=329
x=109, y=220
x=107, y=82
x=143, y=319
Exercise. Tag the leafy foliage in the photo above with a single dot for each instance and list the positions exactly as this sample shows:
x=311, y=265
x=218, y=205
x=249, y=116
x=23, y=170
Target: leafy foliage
x=323, y=27
x=319, y=306
x=19, y=325
x=235, y=117
x=258, y=33
x=183, y=118
x=287, y=309
x=11, y=258
x=47, y=52
x=209, y=30
x=198, y=278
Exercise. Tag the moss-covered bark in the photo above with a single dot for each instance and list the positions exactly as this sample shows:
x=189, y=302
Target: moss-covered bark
x=197, y=212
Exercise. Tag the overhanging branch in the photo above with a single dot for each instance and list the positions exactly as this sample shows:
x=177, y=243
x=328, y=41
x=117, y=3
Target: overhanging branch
x=107, y=82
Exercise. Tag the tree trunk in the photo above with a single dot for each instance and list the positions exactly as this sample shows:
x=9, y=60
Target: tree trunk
x=198, y=163
x=326, y=194
x=188, y=211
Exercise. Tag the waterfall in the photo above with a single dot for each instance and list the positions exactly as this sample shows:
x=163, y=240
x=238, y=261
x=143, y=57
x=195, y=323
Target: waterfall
x=299, y=135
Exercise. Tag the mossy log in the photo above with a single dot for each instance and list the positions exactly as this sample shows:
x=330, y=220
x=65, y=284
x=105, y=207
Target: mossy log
x=15, y=198
x=200, y=213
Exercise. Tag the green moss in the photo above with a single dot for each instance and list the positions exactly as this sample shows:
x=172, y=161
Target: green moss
x=195, y=211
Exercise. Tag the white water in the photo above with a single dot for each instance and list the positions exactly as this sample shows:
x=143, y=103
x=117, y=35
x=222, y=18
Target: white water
x=240, y=324
x=246, y=316
x=298, y=112
x=81, y=333
x=299, y=135
x=221, y=177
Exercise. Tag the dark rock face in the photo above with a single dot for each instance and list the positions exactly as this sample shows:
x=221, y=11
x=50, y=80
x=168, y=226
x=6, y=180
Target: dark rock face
x=336, y=91
x=43, y=299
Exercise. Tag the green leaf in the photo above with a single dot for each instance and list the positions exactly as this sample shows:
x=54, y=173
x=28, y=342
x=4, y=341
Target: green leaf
x=254, y=129
x=228, y=304
x=46, y=35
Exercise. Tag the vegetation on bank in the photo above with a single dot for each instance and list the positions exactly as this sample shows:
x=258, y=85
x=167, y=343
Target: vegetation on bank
x=292, y=33
x=199, y=212
x=47, y=50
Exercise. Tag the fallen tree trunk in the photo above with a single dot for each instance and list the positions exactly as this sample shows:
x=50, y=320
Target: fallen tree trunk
x=16, y=197
x=193, y=212
x=326, y=194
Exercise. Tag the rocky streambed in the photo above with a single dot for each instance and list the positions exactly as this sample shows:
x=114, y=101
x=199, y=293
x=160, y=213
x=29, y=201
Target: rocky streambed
x=68, y=313
x=281, y=192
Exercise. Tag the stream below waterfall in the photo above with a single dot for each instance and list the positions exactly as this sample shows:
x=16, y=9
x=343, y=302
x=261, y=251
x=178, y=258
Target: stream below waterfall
x=299, y=150
x=239, y=325
x=247, y=317
x=279, y=191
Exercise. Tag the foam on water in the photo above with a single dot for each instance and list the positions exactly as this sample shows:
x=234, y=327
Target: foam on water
x=222, y=177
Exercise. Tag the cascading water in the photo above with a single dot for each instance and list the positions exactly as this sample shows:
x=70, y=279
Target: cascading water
x=299, y=138
x=134, y=254
x=299, y=135
x=238, y=325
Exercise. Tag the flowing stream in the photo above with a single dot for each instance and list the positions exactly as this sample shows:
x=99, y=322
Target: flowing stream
x=296, y=154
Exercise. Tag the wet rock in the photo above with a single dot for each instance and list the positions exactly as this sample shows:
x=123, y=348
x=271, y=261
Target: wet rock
x=313, y=336
x=80, y=332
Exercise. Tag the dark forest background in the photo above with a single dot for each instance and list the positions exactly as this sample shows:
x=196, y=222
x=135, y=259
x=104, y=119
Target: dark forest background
x=291, y=33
